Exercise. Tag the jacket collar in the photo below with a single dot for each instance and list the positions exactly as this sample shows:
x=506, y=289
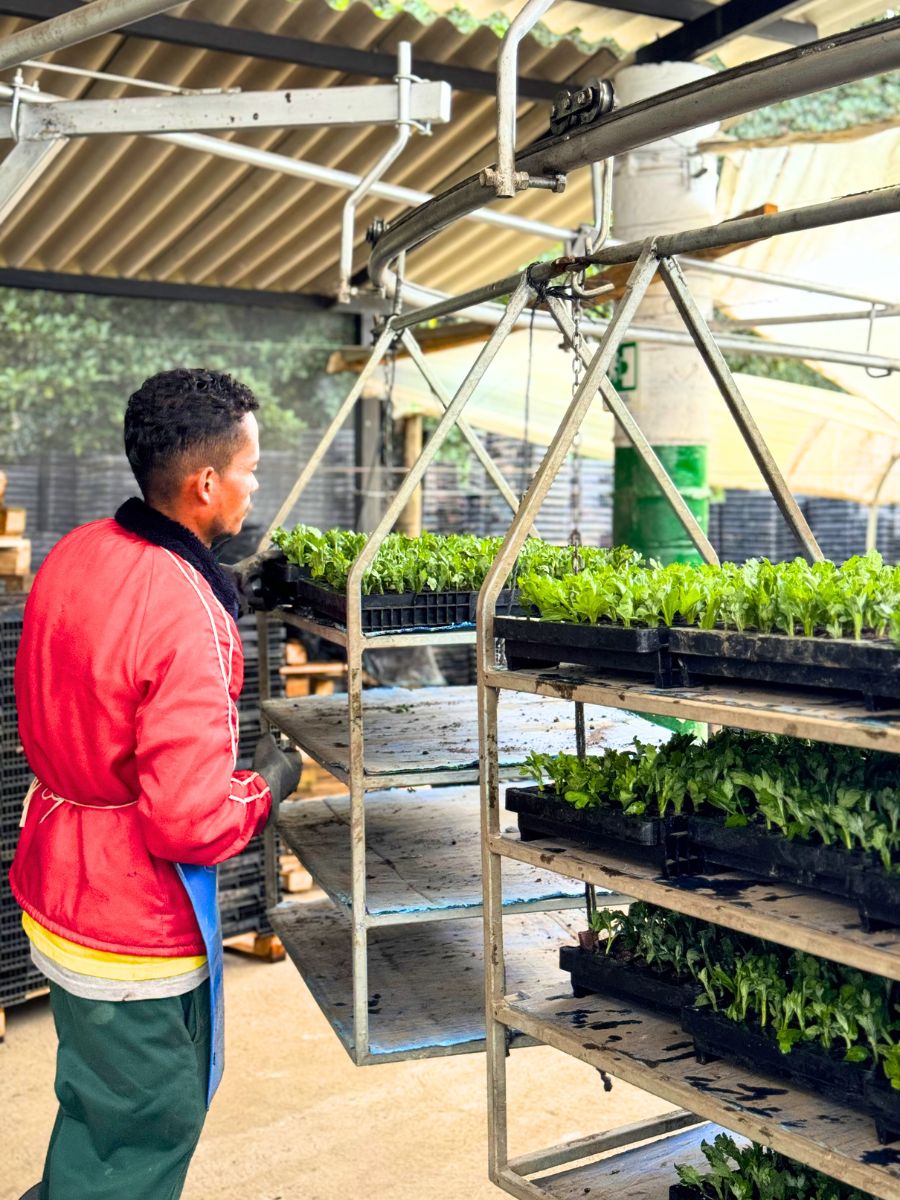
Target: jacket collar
x=153, y=526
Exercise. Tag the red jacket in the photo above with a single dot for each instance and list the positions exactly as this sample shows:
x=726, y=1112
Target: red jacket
x=126, y=681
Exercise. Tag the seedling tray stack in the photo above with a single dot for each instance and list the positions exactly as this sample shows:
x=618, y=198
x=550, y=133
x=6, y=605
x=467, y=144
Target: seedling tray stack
x=868, y=668
x=535, y=644
x=380, y=613
x=661, y=842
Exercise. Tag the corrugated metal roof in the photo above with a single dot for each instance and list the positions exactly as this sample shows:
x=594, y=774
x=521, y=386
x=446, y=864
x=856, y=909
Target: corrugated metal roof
x=135, y=208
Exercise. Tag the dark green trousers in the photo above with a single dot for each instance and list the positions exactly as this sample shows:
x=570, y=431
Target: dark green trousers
x=131, y=1082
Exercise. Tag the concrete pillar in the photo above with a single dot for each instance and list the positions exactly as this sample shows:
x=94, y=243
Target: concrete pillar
x=662, y=188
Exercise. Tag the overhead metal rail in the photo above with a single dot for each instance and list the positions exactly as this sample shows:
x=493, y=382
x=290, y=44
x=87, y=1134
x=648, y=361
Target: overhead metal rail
x=870, y=50
x=76, y=25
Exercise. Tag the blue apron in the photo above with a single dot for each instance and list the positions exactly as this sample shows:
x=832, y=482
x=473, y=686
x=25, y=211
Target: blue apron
x=201, y=885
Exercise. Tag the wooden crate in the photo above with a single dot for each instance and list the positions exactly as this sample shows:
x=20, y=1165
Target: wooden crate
x=15, y=556
x=12, y=521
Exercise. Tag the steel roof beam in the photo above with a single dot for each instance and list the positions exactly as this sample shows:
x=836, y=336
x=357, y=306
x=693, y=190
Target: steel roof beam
x=323, y=56
x=735, y=18
x=790, y=33
x=293, y=108
x=74, y=25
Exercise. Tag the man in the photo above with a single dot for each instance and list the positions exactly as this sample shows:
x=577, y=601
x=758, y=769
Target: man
x=127, y=675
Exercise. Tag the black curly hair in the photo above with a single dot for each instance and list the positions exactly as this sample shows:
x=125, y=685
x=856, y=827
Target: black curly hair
x=180, y=420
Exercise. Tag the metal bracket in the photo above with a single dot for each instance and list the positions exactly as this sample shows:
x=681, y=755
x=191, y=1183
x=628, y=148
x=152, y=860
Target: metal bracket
x=874, y=372
x=579, y=106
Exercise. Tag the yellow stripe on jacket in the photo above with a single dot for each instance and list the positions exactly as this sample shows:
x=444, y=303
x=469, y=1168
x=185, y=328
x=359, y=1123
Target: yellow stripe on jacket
x=101, y=964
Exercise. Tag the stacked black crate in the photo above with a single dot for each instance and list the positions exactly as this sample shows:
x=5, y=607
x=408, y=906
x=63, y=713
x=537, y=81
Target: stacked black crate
x=750, y=525
x=17, y=975
x=839, y=526
x=242, y=900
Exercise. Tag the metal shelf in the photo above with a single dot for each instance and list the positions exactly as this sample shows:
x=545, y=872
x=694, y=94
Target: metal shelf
x=644, y=1173
x=450, y=635
x=423, y=857
x=426, y=985
x=790, y=712
x=779, y=912
x=422, y=736
x=653, y=1053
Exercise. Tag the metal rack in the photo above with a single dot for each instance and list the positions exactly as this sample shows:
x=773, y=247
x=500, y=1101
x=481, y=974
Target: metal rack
x=632, y=1043
x=411, y=858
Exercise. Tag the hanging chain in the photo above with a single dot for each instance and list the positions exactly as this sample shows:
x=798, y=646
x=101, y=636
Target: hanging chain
x=575, y=495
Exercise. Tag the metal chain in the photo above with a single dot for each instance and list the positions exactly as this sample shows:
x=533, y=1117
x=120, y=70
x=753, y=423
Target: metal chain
x=575, y=495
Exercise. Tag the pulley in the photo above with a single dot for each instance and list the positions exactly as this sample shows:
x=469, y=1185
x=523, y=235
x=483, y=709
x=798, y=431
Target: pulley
x=576, y=107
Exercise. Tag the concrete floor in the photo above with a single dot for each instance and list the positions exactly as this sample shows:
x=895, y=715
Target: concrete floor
x=294, y=1118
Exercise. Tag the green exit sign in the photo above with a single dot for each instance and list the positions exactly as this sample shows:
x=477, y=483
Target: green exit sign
x=624, y=371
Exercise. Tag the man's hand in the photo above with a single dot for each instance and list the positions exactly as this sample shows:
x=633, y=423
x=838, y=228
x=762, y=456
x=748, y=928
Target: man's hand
x=280, y=768
x=252, y=578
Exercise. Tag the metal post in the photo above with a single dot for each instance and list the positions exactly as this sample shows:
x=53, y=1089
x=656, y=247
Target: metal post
x=70, y=28
x=491, y=864
x=355, y=646
x=718, y=368
x=629, y=426
x=494, y=472
x=404, y=132
x=410, y=521
x=337, y=424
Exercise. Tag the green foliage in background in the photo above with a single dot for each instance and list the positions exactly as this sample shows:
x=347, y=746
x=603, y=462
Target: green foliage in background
x=863, y=102
x=69, y=362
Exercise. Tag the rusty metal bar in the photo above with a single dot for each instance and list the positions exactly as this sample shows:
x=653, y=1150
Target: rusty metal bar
x=737, y=406
x=334, y=428
x=629, y=426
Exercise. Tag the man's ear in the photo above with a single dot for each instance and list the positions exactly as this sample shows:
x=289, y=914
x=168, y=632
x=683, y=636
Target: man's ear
x=201, y=485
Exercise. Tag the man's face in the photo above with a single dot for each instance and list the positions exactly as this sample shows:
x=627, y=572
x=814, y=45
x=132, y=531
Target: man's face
x=237, y=482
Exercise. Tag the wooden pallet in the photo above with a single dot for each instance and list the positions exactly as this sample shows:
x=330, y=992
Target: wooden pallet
x=266, y=947
x=32, y=995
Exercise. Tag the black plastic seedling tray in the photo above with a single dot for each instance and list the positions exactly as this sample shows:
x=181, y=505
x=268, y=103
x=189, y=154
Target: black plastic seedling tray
x=870, y=668
x=383, y=613
x=681, y=1191
x=594, y=971
x=660, y=841
x=532, y=644
x=807, y=1065
x=850, y=874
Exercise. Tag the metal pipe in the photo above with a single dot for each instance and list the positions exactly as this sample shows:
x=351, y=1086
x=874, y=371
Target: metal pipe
x=505, y=180
x=743, y=418
x=629, y=426
x=712, y=267
x=365, y=185
x=804, y=318
x=435, y=304
x=852, y=55
x=70, y=28
x=861, y=206
x=601, y=190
